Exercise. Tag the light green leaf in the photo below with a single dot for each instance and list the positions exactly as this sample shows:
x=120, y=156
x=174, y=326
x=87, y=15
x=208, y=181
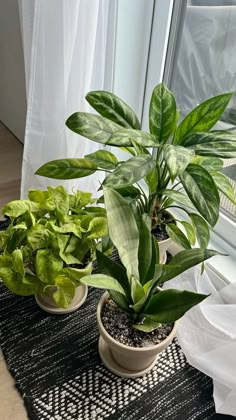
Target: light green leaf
x=60, y=197
x=123, y=230
x=215, y=143
x=47, y=264
x=103, y=159
x=145, y=249
x=190, y=231
x=208, y=163
x=81, y=199
x=152, y=180
x=16, y=208
x=102, y=281
x=17, y=262
x=97, y=228
x=148, y=325
x=75, y=274
x=5, y=261
x=154, y=261
x=223, y=184
x=112, y=107
x=137, y=292
x=170, y=305
x=93, y=127
x=201, y=229
x=202, y=191
x=14, y=282
x=127, y=137
x=177, y=235
x=177, y=159
x=65, y=291
x=162, y=113
x=203, y=117
x=130, y=172
x=38, y=236
x=178, y=197
x=69, y=227
x=67, y=168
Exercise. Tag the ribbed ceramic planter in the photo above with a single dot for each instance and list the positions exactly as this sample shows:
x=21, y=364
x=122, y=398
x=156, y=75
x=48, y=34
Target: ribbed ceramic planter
x=123, y=360
x=47, y=303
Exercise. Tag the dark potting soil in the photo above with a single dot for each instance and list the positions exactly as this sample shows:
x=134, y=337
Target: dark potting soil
x=117, y=324
x=160, y=230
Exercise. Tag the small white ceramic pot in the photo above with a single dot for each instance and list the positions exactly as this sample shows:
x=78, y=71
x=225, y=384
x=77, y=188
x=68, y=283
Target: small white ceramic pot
x=47, y=303
x=163, y=247
x=123, y=360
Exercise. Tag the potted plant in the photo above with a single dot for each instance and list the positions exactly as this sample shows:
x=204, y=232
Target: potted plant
x=49, y=245
x=184, y=171
x=136, y=319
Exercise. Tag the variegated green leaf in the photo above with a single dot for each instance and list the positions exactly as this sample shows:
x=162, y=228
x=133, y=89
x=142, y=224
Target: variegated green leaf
x=112, y=107
x=201, y=229
x=152, y=180
x=127, y=137
x=177, y=159
x=202, y=191
x=223, y=184
x=92, y=126
x=65, y=292
x=67, y=168
x=215, y=143
x=203, y=117
x=178, y=197
x=177, y=235
x=208, y=163
x=123, y=230
x=162, y=113
x=103, y=159
x=170, y=305
x=190, y=231
x=130, y=172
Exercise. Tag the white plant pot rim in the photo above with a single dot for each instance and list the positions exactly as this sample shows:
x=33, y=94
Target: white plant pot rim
x=124, y=346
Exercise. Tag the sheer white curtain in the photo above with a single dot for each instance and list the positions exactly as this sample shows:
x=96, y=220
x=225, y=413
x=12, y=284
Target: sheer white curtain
x=67, y=45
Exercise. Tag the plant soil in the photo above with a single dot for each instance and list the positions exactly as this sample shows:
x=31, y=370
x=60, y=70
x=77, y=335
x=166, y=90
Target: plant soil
x=160, y=230
x=118, y=325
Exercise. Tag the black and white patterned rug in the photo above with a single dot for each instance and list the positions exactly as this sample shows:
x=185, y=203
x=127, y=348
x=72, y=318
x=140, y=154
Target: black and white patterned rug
x=57, y=370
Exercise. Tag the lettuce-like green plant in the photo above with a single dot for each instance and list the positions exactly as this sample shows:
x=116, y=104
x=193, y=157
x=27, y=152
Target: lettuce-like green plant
x=184, y=171
x=50, y=242
x=134, y=285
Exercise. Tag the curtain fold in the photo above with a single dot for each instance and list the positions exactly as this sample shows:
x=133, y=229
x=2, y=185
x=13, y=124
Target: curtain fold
x=65, y=50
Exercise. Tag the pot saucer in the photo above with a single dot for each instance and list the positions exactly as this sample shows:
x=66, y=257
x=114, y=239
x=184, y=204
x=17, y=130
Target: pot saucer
x=80, y=296
x=114, y=367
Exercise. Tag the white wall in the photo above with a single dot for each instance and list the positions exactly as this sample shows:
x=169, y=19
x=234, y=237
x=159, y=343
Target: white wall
x=12, y=78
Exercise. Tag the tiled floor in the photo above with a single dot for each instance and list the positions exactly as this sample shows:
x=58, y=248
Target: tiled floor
x=11, y=151
x=11, y=404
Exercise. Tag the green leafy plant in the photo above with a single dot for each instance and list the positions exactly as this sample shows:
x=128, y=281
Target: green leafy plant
x=134, y=285
x=184, y=171
x=50, y=242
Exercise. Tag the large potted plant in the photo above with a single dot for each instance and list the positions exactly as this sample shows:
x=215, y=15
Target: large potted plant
x=136, y=319
x=184, y=171
x=49, y=245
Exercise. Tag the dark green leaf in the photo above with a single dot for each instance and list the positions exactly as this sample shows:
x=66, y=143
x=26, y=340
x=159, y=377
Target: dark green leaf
x=223, y=184
x=202, y=191
x=203, y=117
x=162, y=113
x=67, y=168
x=170, y=305
x=112, y=107
x=201, y=229
x=130, y=172
x=120, y=300
x=145, y=249
x=215, y=143
x=148, y=325
x=152, y=180
x=177, y=235
x=102, y=281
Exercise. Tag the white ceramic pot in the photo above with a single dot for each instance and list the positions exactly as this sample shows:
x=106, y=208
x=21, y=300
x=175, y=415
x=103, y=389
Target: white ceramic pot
x=163, y=247
x=47, y=303
x=123, y=360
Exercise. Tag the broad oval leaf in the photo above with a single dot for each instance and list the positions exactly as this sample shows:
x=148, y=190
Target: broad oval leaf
x=93, y=127
x=223, y=184
x=178, y=197
x=47, y=264
x=162, y=113
x=130, y=172
x=190, y=231
x=170, y=305
x=67, y=168
x=127, y=137
x=177, y=235
x=215, y=143
x=112, y=107
x=97, y=228
x=123, y=230
x=203, y=117
x=148, y=325
x=201, y=229
x=102, y=281
x=103, y=159
x=202, y=191
x=65, y=292
x=14, y=282
x=177, y=159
